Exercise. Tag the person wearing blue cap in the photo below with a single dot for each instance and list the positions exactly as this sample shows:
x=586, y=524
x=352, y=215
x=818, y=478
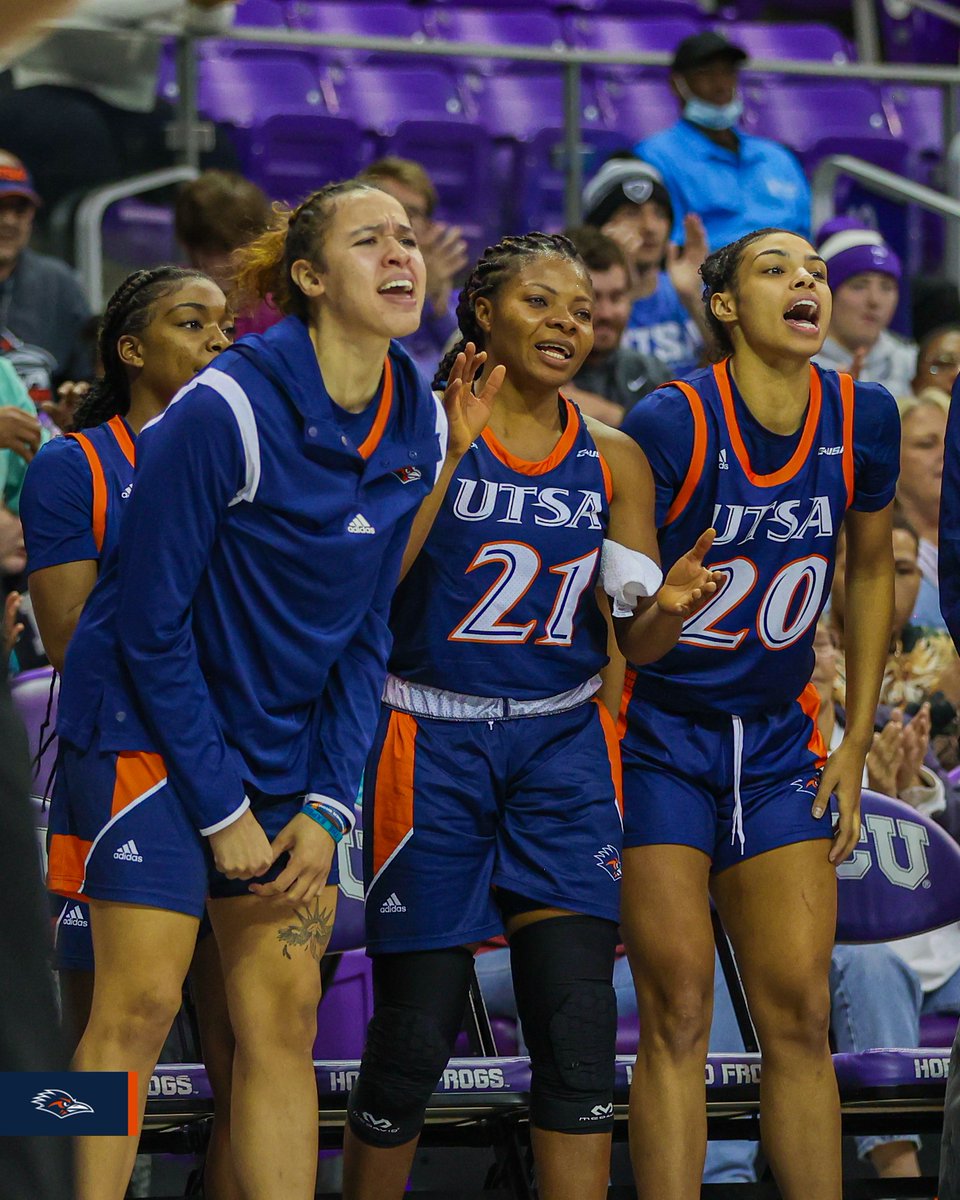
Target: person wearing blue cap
x=735, y=181
x=864, y=276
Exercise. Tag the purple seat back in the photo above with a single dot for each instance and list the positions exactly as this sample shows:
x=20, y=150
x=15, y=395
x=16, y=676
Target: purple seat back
x=380, y=99
x=345, y=1009
x=622, y=35
x=903, y=878
x=245, y=89
x=525, y=27
x=635, y=8
x=811, y=40
x=918, y=37
x=267, y=13
x=358, y=20
x=291, y=155
x=916, y=115
x=938, y=1029
x=640, y=107
x=30, y=691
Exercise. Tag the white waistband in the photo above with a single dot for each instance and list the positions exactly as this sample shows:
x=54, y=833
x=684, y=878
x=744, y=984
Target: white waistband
x=423, y=701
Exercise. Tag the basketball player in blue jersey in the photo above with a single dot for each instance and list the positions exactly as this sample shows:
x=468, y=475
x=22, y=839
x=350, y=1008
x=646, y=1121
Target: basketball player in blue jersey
x=491, y=795
x=160, y=328
x=222, y=687
x=726, y=781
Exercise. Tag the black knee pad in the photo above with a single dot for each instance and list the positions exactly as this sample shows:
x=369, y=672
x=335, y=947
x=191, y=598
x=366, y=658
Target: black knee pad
x=419, y=1003
x=562, y=977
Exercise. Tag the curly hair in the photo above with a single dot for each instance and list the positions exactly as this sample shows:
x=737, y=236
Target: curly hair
x=498, y=264
x=719, y=274
x=128, y=311
x=262, y=267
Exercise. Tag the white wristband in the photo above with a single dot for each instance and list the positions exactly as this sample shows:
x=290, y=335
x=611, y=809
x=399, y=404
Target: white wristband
x=627, y=576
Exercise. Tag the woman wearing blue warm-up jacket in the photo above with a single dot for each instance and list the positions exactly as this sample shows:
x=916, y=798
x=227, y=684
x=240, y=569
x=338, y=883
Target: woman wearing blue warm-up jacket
x=224, y=680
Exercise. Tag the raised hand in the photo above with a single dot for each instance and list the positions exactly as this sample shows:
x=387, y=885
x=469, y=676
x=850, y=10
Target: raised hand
x=916, y=742
x=467, y=412
x=19, y=432
x=683, y=262
x=444, y=251
x=885, y=756
x=689, y=584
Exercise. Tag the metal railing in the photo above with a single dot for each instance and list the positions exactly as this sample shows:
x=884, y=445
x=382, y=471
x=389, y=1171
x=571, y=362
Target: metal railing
x=894, y=187
x=189, y=134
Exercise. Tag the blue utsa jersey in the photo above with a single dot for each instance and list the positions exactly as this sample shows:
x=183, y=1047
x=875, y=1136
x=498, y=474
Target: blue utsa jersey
x=500, y=600
x=241, y=631
x=751, y=646
x=73, y=495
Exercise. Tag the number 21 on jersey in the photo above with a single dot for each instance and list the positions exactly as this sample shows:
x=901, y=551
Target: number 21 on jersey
x=520, y=565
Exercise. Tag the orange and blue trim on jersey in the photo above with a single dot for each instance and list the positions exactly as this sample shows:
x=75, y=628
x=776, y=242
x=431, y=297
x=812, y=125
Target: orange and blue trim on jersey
x=556, y=456
x=372, y=440
x=393, y=794
x=98, y=510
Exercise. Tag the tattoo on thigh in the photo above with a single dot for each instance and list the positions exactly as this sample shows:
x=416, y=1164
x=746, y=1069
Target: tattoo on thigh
x=313, y=930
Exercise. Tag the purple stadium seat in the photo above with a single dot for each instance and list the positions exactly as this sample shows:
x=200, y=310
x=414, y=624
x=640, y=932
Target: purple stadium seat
x=938, y=1029
x=767, y=39
x=918, y=37
x=903, y=878
x=819, y=118
x=635, y=8
x=345, y=1009
x=265, y=13
x=524, y=112
x=638, y=108
x=292, y=154
x=622, y=35
x=358, y=20
x=916, y=115
x=30, y=691
x=418, y=113
x=523, y=27
x=244, y=89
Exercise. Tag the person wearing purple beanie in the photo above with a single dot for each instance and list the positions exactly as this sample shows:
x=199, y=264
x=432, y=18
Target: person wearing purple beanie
x=864, y=275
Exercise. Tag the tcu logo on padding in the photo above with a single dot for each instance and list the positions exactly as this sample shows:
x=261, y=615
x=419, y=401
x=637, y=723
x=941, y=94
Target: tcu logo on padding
x=904, y=865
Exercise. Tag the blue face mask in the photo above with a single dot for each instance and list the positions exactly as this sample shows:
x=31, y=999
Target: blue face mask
x=713, y=116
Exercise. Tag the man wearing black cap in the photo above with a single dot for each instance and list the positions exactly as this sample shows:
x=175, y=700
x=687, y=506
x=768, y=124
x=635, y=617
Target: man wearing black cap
x=627, y=201
x=44, y=313
x=736, y=182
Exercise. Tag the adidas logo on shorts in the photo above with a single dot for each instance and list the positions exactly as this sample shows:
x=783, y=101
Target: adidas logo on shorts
x=360, y=524
x=75, y=917
x=128, y=852
x=392, y=904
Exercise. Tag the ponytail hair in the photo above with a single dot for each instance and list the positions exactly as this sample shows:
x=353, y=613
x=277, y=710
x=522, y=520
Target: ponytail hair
x=496, y=266
x=719, y=274
x=128, y=311
x=262, y=267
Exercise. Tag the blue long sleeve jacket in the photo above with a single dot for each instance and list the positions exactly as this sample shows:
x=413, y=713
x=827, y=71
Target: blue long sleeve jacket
x=258, y=556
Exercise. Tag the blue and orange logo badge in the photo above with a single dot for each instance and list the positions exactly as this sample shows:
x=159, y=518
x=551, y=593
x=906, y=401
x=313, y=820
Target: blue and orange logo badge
x=608, y=859
x=59, y=1103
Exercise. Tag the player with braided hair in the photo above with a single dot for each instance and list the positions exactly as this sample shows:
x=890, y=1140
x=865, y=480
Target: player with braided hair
x=491, y=793
x=160, y=327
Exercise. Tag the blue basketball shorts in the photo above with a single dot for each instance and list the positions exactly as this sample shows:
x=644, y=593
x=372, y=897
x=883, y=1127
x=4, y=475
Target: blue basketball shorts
x=733, y=787
x=119, y=831
x=456, y=808
x=72, y=943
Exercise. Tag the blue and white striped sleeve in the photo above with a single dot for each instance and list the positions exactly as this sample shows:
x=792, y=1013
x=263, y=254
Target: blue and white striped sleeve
x=195, y=461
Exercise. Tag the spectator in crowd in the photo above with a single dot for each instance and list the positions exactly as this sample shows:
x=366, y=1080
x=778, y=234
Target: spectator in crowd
x=613, y=377
x=43, y=312
x=938, y=360
x=628, y=202
x=923, y=430
x=879, y=992
x=735, y=182
x=949, y=573
x=84, y=108
x=864, y=276
x=21, y=434
x=444, y=253
x=215, y=214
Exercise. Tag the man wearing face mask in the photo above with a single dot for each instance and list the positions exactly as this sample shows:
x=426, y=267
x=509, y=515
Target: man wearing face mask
x=734, y=181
